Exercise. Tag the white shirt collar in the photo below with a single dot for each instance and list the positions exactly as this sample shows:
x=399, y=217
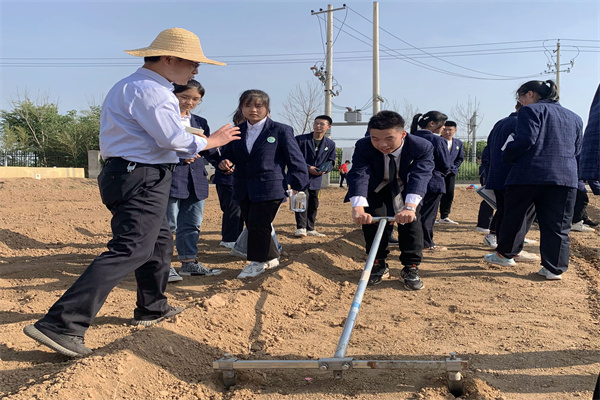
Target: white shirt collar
x=258, y=126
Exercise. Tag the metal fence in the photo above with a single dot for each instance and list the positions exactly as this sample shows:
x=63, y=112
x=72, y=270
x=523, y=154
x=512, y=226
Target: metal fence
x=34, y=159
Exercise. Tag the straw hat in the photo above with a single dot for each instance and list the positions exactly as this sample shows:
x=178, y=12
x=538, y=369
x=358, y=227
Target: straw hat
x=175, y=42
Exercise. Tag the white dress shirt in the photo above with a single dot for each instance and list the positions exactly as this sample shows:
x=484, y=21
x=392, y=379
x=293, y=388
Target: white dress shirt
x=253, y=132
x=360, y=201
x=141, y=122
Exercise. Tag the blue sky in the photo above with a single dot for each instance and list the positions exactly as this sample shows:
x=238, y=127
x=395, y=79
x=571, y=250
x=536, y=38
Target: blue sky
x=56, y=50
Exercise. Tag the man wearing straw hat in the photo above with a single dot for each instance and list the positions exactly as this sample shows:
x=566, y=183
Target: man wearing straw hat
x=141, y=139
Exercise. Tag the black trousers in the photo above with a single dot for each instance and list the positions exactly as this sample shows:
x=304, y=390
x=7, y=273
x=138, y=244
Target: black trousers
x=306, y=220
x=448, y=197
x=486, y=218
x=554, y=208
x=530, y=215
x=141, y=242
x=232, y=223
x=581, y=202
x=258, y=217
x=410, y=236
x=342, y=177
x=429, y=210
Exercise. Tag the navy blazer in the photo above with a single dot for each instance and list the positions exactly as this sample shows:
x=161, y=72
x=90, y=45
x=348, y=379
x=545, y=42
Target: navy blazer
x=415, y=170
x=313, y=158
x=456, y=155
x=260, y=174
x=497, y=171
x=220, y=178
x=589, y=163
x=441, y=156
x=192, y=177
x=547, y=140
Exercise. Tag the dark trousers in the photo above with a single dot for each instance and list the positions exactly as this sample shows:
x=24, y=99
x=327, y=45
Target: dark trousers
x=554, y=208
x=486, y=218
x=258, y=217
x=410, y=236
x=306, y=220
x=232, y=223
x=581, y=202
x=141, y=242
x=429, y=209
x=448, y=197
x=342, y=177
x=530, y=215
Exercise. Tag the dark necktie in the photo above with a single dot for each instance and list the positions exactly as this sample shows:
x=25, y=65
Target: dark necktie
x=392, y=172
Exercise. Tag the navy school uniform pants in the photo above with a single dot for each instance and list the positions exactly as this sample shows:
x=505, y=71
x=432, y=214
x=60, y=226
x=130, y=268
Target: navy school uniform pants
x=429, y=209
x=306, y=220
x=232, y=223
x=410, y=236
x=554, y=207
x=447, y=198
x=258, y=217
x=141, y=243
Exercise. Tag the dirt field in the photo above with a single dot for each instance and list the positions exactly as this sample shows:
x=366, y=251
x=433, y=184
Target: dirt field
x=524, y=337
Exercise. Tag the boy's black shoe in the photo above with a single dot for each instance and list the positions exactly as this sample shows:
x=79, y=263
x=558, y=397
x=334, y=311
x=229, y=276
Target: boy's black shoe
x=410, y=274
x=379, y=272
x=149, y=321
x=68, y=345
x=589, y=222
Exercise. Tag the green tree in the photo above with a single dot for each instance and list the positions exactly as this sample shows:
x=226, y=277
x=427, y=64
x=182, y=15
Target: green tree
x=478, y=150
x=79, y=136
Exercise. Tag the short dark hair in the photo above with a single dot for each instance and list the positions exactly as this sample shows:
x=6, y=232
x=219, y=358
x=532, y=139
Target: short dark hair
x=386, y=120
x=450, y=123
x=192, y=84
x=326, y=118
x=152, y=59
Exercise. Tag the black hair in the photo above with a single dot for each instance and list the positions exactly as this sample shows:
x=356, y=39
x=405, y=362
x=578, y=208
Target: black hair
x=421, y=120
x=450, y=123
x=347, y=161
x=192, y=84
x=251, y=95
x=386, y=120
x=152, y=59
x=238, y=117
x=546, y=90
x=326, y=118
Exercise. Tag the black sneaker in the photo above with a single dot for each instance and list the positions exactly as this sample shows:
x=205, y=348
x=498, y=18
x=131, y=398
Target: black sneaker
x=68, y=345
x=149, y=321
x=379, y=272
x=589, y=222
x=410, y=274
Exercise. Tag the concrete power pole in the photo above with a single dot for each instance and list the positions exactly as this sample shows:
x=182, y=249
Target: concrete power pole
x=473, y=128
x=558, y=67
x=376, y=97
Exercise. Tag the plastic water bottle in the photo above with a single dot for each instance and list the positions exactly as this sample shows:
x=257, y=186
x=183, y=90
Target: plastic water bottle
x=299, y=202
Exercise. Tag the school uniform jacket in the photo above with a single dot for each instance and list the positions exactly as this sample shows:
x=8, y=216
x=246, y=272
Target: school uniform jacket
x=497, y=171
x=192, y=177
x=415, y=170
x=326, y=153
x=547, y=141
x=589, y=166
x=456, y=155
x=441, y=156
x=260, y=175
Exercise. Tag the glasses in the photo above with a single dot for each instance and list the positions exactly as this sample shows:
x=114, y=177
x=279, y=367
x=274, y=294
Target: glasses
x=320, y=124
x=188, y=98
x=194, y=64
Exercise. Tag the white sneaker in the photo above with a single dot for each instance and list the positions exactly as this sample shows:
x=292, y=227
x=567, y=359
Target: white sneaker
x=272, y=263
x=490, y=240
x=525, y=256
x=447, y=221
x=174, y=276
x=581, y=227
x=529, y=241
x=437, y=221
x=549, y=275
x=495, y=258
x=482, y=230
x=315, y=233
x=237, y=253
x=253, y=269
x=228, y=245
x=300, y=232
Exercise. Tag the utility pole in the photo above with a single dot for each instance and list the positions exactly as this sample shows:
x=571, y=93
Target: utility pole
x=558, y=67
x=329, y=55
x=473, y=129
x=376, y=97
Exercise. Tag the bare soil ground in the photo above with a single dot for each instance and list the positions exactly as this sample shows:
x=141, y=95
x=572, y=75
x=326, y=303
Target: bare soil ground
x=524, y=337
